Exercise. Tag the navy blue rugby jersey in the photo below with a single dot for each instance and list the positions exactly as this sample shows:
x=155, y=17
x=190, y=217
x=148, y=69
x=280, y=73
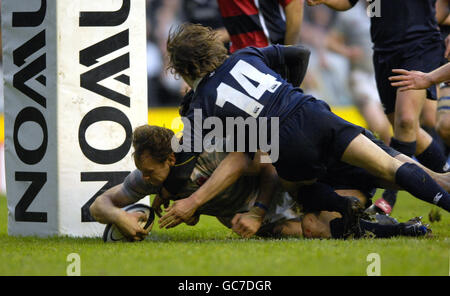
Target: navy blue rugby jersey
x=247, y=85
x=402, y=23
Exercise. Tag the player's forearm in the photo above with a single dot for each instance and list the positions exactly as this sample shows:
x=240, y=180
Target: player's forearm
x=439, y=75
x=292, y=35
x=104, y=211
x=228, y=171
x=294, y=19
x=268, y=185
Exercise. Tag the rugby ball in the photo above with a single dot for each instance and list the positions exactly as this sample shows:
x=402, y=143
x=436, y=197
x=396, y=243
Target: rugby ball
x=112, y=233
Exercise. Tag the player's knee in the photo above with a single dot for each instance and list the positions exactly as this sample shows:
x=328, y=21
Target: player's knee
x=406, y=122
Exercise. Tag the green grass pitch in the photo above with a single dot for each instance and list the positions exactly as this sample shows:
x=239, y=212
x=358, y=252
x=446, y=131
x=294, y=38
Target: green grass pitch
x=211, y=249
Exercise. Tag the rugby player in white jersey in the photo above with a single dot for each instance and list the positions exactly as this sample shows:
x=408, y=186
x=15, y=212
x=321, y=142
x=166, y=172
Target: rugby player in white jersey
x=254, y=204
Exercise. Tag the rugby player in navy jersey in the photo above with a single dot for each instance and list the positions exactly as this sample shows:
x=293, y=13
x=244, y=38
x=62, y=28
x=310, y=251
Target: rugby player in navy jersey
x=310, y=135
x=442, y=117
x=408, y=80
x=405, y=35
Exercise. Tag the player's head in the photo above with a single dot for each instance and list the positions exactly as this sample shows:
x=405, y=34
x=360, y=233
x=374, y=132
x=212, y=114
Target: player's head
x=153, y=154
x=315, y=227
x=194, y=51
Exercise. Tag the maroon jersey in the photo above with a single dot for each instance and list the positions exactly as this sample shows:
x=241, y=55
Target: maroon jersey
x=256, y=23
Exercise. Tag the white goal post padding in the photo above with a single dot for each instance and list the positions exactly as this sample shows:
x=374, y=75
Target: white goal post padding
x=75, y=86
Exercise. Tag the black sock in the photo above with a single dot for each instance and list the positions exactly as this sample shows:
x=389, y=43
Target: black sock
x=408, y=149
x=321, y=197
x=443, y=202
x=417, y=182
x=434, y=134
x=390, y=196
x=433, y=158
x=380, y=231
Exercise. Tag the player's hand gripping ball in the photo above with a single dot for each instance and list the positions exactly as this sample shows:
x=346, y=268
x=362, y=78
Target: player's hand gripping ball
x=112, y=233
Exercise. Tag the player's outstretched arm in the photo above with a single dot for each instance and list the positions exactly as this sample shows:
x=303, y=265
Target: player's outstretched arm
x=247, y=224
x=334, y=4
x=107, y=209
x=408, y=80
x=441, y=74
x=229, y=170
x=294, y=19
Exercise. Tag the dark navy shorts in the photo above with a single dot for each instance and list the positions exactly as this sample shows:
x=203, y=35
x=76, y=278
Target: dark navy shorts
x=422, y=56
x=311, y=138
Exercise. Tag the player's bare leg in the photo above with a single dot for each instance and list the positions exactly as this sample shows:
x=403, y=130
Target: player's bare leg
x=405, y=121
x=429, y=114
x=407, y=129
x=408, y=107
x=443, y=179
x=443, y=126
x=443, y=113
x=363, y=153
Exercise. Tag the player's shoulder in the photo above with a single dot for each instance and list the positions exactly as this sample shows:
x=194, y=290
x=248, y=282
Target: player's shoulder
x=250, y=50
x=194, y=100
x=246, y=50
x=135, y=176
x=258, y=50
x=180, y=173
x=135, y=186
x=265, y=54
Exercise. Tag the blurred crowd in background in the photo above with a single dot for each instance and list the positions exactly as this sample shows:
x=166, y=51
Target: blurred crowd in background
x=339, y=42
